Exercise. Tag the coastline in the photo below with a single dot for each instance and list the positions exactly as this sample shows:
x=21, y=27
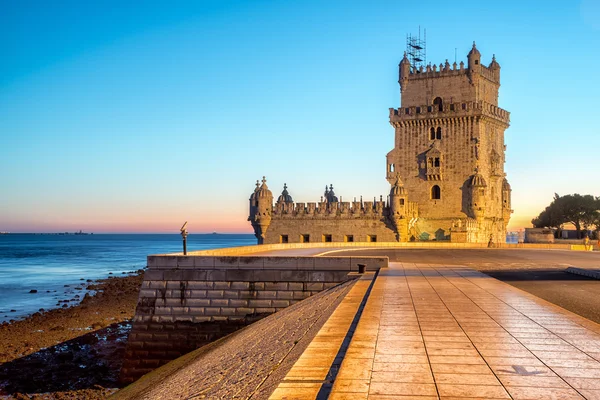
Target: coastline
x=71, y=352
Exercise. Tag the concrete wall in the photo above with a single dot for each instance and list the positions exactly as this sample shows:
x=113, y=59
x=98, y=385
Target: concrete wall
x=188, y=301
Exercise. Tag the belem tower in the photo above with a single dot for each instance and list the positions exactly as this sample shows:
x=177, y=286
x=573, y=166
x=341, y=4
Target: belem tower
x=446, y=169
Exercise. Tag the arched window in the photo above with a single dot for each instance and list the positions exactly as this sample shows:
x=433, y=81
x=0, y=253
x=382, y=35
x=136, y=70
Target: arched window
x=436, y=162
x=432, y=133
x=438, y=134
x=439, y=103
x=435, y=192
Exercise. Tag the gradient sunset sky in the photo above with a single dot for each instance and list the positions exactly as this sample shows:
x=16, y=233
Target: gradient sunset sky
x=121, y=116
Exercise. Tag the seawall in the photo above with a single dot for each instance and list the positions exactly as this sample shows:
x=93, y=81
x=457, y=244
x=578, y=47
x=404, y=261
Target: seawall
x=188, y=301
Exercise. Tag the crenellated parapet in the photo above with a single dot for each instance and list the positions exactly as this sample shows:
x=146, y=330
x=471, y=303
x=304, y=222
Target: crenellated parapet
x=325, y=209
x=328, y=207
x=384, y=212
x=424, y=113
x=345, y=209
x=451, y=70
x=472, y=71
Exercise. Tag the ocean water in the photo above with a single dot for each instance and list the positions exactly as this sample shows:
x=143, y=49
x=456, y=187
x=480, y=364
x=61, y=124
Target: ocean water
x=47, y=263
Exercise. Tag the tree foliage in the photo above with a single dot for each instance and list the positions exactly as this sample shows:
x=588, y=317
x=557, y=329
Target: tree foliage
x=581, y=211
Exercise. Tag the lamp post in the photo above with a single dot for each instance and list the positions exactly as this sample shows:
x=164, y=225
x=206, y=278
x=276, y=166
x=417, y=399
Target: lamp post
x=184, y=234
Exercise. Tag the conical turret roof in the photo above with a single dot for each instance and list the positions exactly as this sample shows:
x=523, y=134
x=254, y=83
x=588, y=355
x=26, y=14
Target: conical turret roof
x=255, y=193
x=398, y=188
x=477, y=180
x=494, y=64
x=405, y=60
x=264, y=189
x=285, y=197
x=474, y=51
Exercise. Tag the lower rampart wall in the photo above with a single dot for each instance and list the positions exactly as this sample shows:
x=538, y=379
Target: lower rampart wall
x=339, y=230
x=248, y=250
x=188, y=301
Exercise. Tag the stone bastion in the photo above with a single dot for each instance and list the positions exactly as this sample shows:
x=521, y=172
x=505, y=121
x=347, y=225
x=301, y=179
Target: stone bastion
x=188, y=301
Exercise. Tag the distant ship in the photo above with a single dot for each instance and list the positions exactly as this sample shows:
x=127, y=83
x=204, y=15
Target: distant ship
x=81, y=233
x=215, y=233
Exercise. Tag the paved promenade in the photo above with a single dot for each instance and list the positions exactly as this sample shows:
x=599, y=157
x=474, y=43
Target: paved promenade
x=430, y=332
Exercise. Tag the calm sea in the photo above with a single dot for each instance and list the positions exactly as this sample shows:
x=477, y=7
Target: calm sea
x=47, y=263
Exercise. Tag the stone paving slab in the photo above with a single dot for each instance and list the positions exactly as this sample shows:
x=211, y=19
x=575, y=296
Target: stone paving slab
x=313, y=370
x=449, y=332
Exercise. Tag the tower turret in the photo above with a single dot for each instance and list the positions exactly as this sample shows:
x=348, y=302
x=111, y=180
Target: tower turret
x=506, y=200
x=494, y=67
x=398, y=204
x=478, y=187
x=404, y=72
x=261, y=205
x=494, y=64
x=474, y=59
x=253, y=202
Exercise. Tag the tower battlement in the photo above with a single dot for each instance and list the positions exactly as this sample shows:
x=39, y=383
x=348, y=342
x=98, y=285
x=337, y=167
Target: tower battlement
x=287, y=221
x=449, y=70
x=413, y=114
x=454, y=83
x=375, y=209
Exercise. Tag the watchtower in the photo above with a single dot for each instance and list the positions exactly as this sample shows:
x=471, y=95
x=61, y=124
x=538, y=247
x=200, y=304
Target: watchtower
x=449, y=149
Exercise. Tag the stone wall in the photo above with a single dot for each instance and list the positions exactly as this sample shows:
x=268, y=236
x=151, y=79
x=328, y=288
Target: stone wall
x=539, y=235
x=361, y=229
x=423, y=88
x=188, y=301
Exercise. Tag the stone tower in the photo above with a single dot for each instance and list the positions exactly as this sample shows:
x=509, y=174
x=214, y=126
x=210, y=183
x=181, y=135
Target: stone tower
x=449, y=150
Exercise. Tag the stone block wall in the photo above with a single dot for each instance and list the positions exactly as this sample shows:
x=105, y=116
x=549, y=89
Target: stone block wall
x=188, y=301
x=338, y=229
x=539, y=235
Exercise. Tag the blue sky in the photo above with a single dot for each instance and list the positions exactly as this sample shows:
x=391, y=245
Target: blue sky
x=136, y=116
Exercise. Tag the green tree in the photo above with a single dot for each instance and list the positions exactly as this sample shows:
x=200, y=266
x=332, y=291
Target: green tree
x=578, y=210
x=581, y=211
x=595, y=218
x=551, y=217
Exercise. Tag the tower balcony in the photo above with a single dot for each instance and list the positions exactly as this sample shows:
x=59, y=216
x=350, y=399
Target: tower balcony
x=434, y=173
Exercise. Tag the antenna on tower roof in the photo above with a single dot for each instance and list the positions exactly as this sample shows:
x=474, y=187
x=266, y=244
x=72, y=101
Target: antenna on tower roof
x=416, y=50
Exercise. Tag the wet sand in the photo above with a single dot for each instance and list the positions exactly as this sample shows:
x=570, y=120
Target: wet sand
x=73, y=352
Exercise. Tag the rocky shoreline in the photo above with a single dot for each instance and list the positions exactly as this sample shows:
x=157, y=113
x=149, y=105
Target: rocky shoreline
x=70, y=352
